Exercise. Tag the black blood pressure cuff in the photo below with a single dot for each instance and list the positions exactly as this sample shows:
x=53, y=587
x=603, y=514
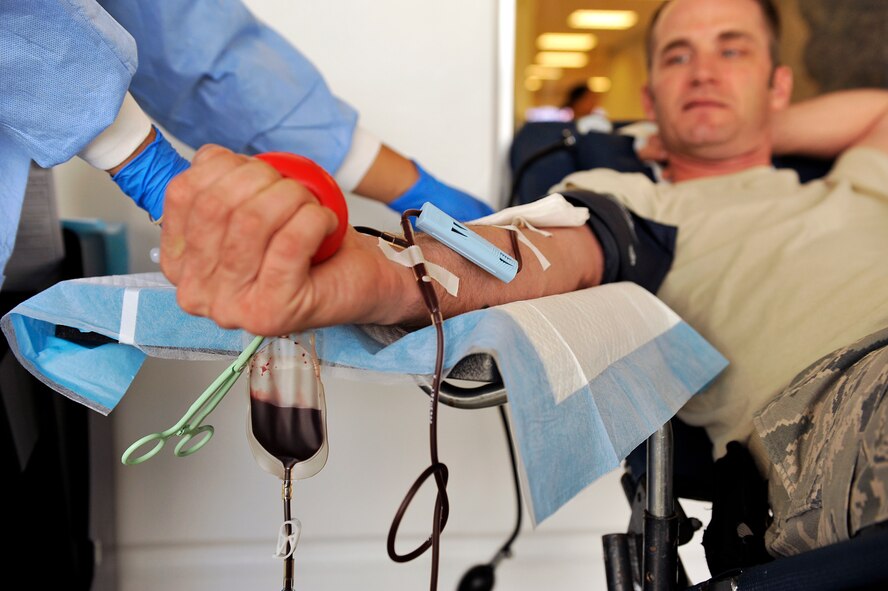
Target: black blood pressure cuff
x=635, y=249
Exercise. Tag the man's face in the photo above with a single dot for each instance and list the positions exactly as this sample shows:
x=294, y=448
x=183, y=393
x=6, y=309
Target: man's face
x=710, y=87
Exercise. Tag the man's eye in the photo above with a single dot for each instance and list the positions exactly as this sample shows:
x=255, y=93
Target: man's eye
x=732, y=52
x=675, y=59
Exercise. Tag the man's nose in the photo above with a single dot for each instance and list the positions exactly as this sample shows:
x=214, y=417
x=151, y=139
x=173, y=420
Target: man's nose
x=704, y=69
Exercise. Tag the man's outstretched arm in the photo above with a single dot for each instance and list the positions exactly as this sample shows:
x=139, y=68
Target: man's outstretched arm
x=237, y=241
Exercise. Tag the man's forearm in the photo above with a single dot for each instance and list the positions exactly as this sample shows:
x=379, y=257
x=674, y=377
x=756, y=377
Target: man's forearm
x=827, y=125
x=575, y=254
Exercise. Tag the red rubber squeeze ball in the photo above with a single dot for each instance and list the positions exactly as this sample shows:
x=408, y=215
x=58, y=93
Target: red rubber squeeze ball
x=321, y=184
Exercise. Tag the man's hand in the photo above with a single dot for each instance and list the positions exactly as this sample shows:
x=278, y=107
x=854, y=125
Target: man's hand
x=652, y=150
x=237, y=241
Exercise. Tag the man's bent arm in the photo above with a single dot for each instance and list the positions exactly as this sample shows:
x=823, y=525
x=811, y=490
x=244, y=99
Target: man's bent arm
x=827, y=125
x=237, y=241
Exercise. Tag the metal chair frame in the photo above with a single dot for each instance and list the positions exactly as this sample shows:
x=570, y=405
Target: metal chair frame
x=646, y=556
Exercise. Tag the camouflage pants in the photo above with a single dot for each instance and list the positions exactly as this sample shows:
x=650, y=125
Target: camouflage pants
x=826, y=437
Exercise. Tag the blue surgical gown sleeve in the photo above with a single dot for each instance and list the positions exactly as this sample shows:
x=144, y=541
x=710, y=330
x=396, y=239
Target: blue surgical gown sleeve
x=211, y=72
x=64, y=68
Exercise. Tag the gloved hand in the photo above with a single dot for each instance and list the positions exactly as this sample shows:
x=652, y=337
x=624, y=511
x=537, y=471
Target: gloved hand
x=145, y=178
x=459, y=205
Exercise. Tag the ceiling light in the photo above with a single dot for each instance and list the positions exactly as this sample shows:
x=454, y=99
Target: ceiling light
x=602, y=19
x=599, y=83
x=566, y=42
x=543, y=72
x=532, y=83
x=562, y=59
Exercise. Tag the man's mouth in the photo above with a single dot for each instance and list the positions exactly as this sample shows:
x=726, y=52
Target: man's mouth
x=703, y=104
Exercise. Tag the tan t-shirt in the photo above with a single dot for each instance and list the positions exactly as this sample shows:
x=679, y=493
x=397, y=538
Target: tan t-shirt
x=774, y=273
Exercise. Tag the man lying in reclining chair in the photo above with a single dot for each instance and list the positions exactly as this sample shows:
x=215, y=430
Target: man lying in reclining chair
x=779, y=276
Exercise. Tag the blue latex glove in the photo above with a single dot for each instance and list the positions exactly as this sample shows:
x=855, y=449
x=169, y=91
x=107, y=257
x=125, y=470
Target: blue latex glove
x=454, y=202
x=145, y=178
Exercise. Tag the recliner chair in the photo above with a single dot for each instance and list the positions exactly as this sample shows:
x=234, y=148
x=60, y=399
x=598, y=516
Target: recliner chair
x=676, y=462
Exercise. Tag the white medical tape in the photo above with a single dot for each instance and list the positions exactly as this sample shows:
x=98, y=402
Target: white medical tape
x=128, y=312
x=412, y=256
x=516, y=227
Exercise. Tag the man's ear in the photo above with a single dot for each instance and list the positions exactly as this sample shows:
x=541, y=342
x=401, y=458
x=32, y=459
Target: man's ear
x=781, y=88
x=647, y=101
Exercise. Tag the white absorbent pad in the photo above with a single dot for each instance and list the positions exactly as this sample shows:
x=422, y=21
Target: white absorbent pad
x=589, y=375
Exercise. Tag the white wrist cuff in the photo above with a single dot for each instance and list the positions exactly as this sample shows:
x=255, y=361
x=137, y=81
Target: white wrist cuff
x=120, y=139
x=364, y=149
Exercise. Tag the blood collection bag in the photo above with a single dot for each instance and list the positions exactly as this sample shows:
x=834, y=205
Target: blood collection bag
x=287, y=421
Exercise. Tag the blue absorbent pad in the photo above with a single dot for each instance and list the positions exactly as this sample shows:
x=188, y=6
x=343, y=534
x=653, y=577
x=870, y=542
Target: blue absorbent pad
x=589, y=375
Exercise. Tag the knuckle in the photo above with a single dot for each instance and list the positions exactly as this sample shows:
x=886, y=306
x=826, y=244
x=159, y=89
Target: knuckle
x=193, y=248
x=259, y=167
x=305, y=232
x=296, y=190
x=210, y=207
x=262, y=324
x=179, y=190
x=188, y=298
x=290, y=241
x=247, y=221
x=170, y=270
x=208, y=152
x=222, y=313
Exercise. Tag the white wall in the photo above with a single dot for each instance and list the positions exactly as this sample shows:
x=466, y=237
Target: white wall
x=423, y=75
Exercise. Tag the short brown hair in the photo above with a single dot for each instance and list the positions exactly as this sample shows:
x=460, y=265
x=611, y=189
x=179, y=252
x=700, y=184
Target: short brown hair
x=772, y=21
